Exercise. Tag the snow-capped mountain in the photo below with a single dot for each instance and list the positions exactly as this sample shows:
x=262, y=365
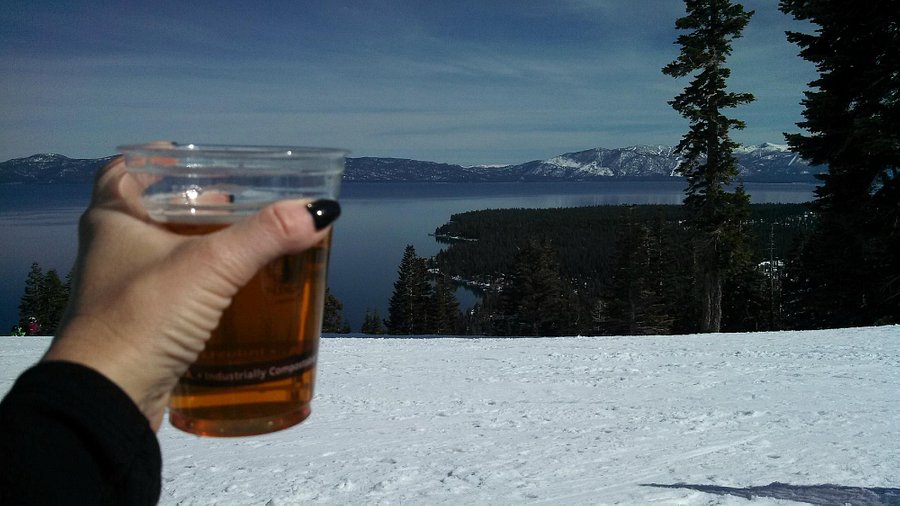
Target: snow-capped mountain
x=765, y=162
x=634, y=161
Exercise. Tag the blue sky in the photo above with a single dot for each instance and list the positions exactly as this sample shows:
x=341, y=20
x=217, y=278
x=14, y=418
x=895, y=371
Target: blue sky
x=469, y=82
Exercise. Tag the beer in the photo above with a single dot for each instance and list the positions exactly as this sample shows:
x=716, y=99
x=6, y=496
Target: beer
x=257, y=371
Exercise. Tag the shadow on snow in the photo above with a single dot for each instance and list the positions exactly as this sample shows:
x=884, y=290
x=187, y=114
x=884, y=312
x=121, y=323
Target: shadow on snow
x=812, y=494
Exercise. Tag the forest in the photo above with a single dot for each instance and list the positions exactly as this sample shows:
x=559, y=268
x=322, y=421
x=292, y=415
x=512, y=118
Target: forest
x=611, y=269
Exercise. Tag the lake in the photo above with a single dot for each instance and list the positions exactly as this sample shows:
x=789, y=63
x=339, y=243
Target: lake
x=38, y=223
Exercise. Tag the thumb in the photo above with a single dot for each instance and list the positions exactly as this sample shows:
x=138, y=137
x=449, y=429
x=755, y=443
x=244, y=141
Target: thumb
x=283, y=228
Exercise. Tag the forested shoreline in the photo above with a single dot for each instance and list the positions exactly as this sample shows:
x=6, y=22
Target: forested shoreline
x=612, y=269
x=598, y=270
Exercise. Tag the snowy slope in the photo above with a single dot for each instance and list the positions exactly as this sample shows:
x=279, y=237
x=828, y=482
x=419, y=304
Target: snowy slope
x=566, y=421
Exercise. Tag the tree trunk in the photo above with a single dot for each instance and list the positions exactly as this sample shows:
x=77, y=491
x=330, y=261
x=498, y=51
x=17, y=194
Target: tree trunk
x=711, y=310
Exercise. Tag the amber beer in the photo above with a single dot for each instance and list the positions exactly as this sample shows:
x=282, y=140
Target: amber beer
x=257, y=372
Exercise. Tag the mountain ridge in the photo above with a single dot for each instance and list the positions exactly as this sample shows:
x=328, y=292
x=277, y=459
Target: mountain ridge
x=764, y=162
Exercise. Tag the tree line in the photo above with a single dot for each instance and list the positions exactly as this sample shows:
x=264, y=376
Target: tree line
x=614, y=269
x=46, y=295
x=43, y=302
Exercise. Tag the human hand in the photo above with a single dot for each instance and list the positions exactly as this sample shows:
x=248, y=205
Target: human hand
x=145, y=300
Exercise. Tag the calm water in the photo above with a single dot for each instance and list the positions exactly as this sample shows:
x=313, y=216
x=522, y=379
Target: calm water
x=38, y=223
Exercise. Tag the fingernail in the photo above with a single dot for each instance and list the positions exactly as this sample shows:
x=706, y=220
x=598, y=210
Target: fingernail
x=324, y=212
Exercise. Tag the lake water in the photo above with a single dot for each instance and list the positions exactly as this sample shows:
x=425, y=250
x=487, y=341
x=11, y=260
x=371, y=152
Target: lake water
x=38, y=223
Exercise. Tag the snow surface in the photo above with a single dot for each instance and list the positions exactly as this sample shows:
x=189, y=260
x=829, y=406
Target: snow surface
x=717, y=419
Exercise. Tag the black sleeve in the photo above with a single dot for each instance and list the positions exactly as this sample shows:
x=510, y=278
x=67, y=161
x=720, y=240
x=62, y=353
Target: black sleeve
x=68, y=435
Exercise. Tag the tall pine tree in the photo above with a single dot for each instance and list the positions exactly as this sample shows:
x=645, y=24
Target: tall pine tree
x=636, y=303
x=848, y=271
x=31, y=304
x=333, y=315
x=535, y=301
x=55, y=296
x=445, y=315
x=707, y=149
x=408, y=309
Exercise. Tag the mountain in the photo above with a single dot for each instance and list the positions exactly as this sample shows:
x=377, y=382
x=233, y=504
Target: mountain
x=765, y=162
x=631, y=162
x=401, y=169
x=50, y=168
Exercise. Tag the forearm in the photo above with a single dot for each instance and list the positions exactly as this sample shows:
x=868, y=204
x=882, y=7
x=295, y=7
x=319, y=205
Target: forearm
x=70, y=436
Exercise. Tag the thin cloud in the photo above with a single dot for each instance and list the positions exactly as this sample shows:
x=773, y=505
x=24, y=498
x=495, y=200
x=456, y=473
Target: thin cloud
x=472, y=81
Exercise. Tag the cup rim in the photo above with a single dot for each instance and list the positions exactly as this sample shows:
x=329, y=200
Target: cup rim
x=272, y=152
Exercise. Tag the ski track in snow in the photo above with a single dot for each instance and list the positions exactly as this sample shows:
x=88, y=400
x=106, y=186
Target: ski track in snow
x=559, y=421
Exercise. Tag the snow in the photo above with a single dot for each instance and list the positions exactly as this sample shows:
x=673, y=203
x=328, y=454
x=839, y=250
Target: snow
x=764, y=147
x=564, y=161
x=714, y=418
x=593, y=168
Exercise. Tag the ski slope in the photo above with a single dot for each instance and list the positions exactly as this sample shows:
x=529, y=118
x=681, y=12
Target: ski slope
x=782, y=417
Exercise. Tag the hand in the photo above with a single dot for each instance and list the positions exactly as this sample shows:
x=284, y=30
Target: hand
x=145, y=300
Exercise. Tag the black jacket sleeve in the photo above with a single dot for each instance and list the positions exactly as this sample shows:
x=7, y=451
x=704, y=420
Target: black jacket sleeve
x=68, y=435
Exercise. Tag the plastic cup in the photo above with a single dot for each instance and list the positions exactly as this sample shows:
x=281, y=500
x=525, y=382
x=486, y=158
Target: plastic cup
x=257, y=372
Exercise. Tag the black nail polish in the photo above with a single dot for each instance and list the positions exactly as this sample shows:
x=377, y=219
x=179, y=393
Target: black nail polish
x=324, y=212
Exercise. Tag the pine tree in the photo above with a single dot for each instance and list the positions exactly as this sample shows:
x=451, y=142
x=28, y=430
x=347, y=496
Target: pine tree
x=445, y=315
x=745, y=306
x=847, y=272
x=481, y=319
x=707, y=149
x=408, y=310
x=55, y=296
x=636, y=303
x=372, y=323
x=31, y=304
x=421, y=298
x=535, y=302
x=333, y=315
x=44, y=300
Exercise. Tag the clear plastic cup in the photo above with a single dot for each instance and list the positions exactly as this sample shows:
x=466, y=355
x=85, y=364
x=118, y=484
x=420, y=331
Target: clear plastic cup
x=257, y=372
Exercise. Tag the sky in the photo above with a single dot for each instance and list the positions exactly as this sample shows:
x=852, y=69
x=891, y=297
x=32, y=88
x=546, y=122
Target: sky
x=467, y=82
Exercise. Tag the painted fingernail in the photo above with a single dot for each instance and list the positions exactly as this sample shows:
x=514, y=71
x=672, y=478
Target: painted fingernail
x=324, y=212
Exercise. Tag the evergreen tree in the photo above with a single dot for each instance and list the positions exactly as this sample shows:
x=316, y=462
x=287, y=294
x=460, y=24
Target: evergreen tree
x=535, y=302
x=746, y=306
x=44, y=300
x=333, y=315
x=408, y=310
x=709, y=164
x=31, y=304
x=636, y=303
x=421, y=298
x=445, y=315
x=847, y=272
x=55, y=296
x=372, y=323
x=480, y=320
